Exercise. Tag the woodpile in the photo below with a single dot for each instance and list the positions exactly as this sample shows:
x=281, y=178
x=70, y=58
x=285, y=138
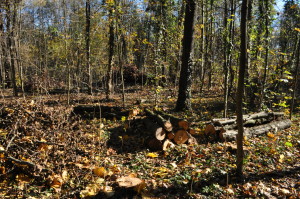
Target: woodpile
x=167, y=130
x=225, y=129
x=162, y=131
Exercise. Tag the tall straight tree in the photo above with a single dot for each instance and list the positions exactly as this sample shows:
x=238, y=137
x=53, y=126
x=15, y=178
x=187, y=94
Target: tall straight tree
x=240, y=89
x=11, y=29
x=87, y=43
x=185, y=81
x=111, y=43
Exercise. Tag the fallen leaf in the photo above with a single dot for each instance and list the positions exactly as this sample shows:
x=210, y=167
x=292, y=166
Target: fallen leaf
x=152, y=155
x=229, y=191
x=270, y=135
x=90, y=190
x=56, y=182
x=100, y=171
x=281, y=158
x=108, y=190
x=65, y=175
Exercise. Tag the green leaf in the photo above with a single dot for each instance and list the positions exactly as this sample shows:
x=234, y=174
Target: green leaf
x=288, y=144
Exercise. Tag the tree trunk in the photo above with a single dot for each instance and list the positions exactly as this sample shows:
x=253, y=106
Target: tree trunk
x=11, y=19
x=225, y=57
x=185, y=81
x=266, y=61
x=296, y=75
x=87, y=45
x=240, y=89
x=109, y=87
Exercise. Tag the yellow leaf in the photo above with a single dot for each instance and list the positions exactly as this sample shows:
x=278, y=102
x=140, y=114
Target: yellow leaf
x=152, y=155
x=88, y=191
x=100, y=171
x=297, y=29
x=281, y=158
x=65, y=175
x=270, y=135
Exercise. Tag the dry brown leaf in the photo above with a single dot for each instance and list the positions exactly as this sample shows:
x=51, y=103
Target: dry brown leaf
x=56, y=182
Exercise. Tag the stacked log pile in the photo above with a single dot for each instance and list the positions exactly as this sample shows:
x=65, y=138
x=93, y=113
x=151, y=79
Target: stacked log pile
x=254, y=125
x=162, y=131
x=167, y=130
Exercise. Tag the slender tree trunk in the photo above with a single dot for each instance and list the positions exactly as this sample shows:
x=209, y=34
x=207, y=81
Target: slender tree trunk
x=225, y=57
x=110, y=55
x=266, y=61
x=185, y=81
x=2, y=73
x=88, y=47
x=296, y=75
x=240, y=89
x=203, y=47
x=210, y=71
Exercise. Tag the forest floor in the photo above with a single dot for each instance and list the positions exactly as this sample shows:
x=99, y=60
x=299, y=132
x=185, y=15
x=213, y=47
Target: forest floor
x=47, y=152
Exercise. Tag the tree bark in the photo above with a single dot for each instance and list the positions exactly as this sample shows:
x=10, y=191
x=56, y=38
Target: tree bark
x=240, y=89
x=230, y=135
x=185, y=81
x=109, y=87
x=87, y=44
x=11, y=19
x=296, y=75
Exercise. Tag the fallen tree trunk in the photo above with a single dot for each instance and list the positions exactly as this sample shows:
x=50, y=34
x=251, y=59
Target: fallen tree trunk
x=249, y=120
x=229, y=135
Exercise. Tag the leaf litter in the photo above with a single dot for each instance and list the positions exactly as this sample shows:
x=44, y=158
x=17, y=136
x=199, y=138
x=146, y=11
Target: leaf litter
x=47, y=153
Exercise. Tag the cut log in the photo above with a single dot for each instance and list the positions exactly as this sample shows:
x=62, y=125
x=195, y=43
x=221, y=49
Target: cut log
x=192, y=131
x=229, y=135
x=181, y=136
x=210, y=129
x=171, y=135
x=175, y=121
x=192, y=140
x=167, y=144
x=166, y=124
x=154, y=129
